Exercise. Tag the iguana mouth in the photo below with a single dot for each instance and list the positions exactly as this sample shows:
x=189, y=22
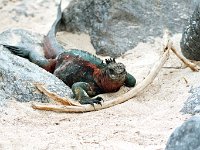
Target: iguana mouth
x=118, y=77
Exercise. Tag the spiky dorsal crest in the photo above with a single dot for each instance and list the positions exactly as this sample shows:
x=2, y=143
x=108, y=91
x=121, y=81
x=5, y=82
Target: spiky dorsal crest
x=110, y=60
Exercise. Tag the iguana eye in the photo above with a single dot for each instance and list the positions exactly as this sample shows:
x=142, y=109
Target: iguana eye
x=124, y=70
x=111, y=71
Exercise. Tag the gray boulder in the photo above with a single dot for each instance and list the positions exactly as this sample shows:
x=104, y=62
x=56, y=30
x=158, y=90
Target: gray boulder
x=192, y=104
x=186, y=137
x=18, y=75
x=190, y=42
x=116, y=26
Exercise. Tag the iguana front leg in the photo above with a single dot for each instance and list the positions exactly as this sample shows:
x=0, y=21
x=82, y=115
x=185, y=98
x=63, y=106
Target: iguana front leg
x=82, y=91
x=130, y=81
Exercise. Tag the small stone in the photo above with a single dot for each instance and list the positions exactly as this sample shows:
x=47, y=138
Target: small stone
x=192, y=104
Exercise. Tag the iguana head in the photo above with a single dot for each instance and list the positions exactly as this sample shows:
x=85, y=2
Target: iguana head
x=112, y=76
x=115, y=71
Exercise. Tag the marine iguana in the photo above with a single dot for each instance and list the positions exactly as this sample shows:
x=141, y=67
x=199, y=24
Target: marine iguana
x=85, y=73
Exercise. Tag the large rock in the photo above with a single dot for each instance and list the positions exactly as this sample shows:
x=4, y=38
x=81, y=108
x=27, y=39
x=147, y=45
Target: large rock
x=18, y=75
x=186, y=137
x=192, y=104
x=116, y=26
x=190, y=42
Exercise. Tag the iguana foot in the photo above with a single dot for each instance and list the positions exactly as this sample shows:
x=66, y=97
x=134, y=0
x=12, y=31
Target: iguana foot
x=82, y=92
x=92, y=101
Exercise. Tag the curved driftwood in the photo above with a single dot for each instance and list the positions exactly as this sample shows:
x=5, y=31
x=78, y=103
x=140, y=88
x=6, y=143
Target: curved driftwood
x=189, y=64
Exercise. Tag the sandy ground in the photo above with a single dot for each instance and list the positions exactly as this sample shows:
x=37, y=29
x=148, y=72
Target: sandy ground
x=142, y=123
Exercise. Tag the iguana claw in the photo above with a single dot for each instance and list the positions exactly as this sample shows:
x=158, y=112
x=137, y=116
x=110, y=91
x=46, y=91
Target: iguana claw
x=92, y=101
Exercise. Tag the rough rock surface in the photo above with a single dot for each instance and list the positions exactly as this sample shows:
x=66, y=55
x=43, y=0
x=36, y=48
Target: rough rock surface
x=116, y=26
x=18, y=75
x=186, y=137
x=192, y=104
x=190, y=42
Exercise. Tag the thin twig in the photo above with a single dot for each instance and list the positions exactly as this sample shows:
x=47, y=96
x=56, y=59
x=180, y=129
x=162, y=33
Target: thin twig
x=55, y=97
x=189, y=64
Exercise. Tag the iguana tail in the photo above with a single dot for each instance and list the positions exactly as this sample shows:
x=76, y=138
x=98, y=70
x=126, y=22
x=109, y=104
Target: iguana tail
x=51, y=46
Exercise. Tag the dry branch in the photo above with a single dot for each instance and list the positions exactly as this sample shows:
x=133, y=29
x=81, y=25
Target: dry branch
x=55, y=97
x=189, y=64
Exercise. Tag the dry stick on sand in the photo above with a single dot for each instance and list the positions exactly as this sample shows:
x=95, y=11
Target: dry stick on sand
x=130, y=94
x=189, y=64
x=55, y=97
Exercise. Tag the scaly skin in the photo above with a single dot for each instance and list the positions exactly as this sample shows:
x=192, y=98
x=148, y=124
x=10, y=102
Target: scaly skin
x=86, y=74
x=89, y=79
